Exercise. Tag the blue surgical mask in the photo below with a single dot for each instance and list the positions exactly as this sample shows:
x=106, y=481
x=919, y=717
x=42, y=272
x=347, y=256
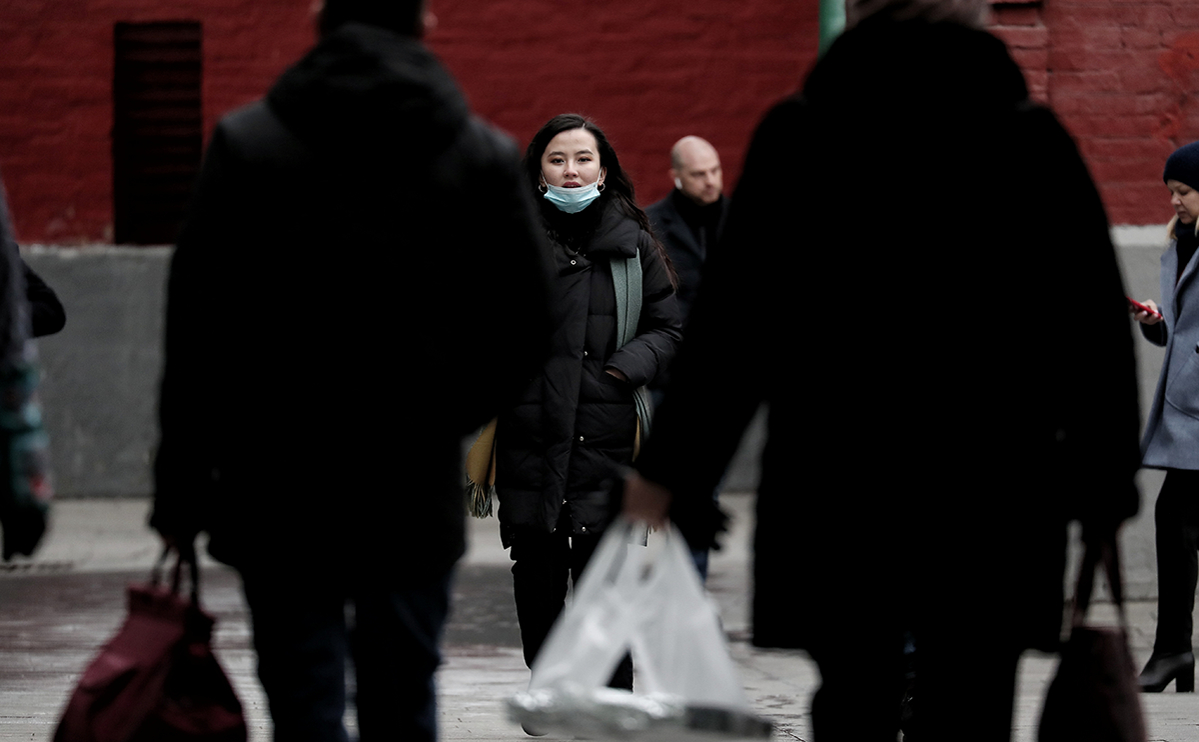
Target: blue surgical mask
x=572, y=200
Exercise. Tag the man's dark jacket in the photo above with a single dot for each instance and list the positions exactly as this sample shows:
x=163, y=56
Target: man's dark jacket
x=687, y=256
x=931, y=431
x=358, y=286
x=669, y=220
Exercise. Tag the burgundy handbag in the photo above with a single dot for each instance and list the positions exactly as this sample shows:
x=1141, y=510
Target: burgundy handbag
x=1094, y=695
x=157, y=679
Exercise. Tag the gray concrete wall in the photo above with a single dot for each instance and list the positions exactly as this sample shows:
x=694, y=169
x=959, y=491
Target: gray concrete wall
x=1140, y=250
x=101, y=376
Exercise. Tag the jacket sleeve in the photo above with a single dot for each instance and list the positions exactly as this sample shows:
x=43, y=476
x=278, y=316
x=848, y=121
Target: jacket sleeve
x=1096, y=384
x=501, y=286
x=1156, y=334
x=721, y=376
x=659, y=329
x=185, y=462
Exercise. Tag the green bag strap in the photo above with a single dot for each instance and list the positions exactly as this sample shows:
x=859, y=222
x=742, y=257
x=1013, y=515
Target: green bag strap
x=626, y=279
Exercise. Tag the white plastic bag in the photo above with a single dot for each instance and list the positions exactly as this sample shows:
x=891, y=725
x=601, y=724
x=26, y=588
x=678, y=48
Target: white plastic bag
x=648, y=600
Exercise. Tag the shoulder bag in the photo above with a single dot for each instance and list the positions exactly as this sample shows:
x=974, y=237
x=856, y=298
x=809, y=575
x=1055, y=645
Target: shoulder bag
x=1094, y=695
x=157, y=680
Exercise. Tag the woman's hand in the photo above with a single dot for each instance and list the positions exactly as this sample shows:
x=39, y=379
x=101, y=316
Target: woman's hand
x=1146, y=318
x=645, y=501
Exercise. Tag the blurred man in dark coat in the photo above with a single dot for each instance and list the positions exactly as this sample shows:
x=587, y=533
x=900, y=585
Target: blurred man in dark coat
x=359, y=284
x=689, y=220
x=688, y=223
x=929, y=438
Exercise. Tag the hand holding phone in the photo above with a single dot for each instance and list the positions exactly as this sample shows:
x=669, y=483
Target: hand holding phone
x=1137, y=306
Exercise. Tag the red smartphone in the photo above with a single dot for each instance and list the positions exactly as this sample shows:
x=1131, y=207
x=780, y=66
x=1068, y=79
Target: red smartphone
x=1141, y=307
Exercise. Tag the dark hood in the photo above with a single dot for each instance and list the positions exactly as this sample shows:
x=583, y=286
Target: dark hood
x=364, y=86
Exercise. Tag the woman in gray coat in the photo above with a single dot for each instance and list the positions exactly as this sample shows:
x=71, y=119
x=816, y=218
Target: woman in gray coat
x=1171, y=440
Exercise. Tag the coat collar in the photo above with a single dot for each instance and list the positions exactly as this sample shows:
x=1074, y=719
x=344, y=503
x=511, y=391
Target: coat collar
x=1187, y=273
x=673, y=221
x=617, y=234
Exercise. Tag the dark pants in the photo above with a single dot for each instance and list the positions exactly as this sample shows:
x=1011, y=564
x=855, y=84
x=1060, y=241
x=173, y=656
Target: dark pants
x=861, y=687
x=544, y=565
x=699, y=557
x=306, y=627
x=1176, y=521
x=965, y=685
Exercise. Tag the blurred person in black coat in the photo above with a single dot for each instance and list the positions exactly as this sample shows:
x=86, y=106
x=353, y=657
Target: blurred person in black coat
x=689, y=221
x=897, y=225
x=359, y=284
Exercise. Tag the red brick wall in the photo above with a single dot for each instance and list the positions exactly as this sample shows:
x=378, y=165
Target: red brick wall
x=649, y=72
x=1123, y=76
x=56, y=61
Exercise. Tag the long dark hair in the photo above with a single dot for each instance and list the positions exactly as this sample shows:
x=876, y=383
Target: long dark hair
x=618, y=188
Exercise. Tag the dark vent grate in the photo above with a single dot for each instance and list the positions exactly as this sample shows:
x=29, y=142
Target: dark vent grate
x=157, y=135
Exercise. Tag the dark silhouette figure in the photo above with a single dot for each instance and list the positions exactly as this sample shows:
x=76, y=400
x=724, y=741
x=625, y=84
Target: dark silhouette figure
x=343, y=307
x=689, y=222
x=928, y=442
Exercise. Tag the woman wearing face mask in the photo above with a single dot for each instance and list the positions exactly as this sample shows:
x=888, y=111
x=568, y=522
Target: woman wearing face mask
x=559, y=448
x=1171, y=439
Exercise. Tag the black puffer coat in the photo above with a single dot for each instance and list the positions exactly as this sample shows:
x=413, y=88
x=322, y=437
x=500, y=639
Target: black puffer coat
x=558, y=448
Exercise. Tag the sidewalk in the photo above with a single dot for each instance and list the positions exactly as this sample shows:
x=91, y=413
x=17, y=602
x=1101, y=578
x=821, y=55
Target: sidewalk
x=56, y=609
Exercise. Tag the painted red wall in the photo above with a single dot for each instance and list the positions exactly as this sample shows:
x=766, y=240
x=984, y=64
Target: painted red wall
x=1122, y=74
x=649, y=72
x=56, y=66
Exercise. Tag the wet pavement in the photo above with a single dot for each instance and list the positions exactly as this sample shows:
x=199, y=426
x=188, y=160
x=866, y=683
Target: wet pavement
x=57, y=609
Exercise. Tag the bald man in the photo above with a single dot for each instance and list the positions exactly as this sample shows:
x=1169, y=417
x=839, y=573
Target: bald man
x=688, y=223
x=689, y=220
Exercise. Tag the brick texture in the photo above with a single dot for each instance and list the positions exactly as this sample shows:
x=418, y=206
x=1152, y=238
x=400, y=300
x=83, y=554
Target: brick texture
x=648, y=72
x=56, y=69
x=1123, y=76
